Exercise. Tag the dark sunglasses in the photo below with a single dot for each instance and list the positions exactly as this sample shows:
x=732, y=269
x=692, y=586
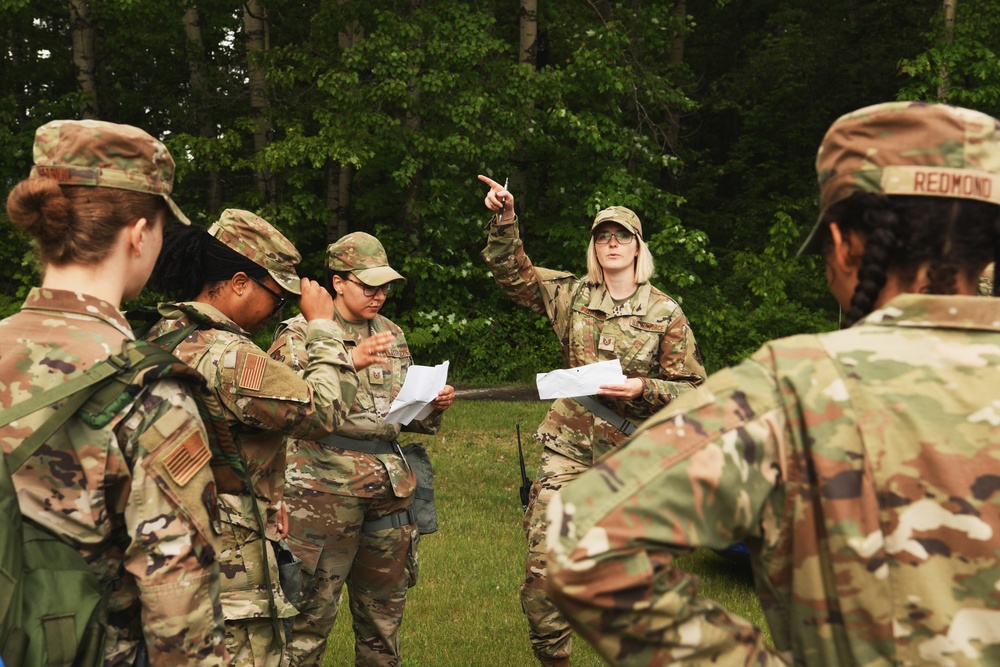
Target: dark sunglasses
x=369, y=290
x=281, y=299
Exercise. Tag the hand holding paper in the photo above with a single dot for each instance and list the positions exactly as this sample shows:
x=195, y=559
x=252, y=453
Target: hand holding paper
x=579, y=381
x=419, y=390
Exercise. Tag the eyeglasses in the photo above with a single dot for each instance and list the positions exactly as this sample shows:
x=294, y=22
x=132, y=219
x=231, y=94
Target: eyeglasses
x=281, y=299
x=623, y=237
x=372, y=291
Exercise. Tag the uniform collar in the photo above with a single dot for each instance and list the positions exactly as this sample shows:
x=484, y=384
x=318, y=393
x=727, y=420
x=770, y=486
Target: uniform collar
x=77, y=304
x=205, y=315
x=600, y=299
x=935, y=311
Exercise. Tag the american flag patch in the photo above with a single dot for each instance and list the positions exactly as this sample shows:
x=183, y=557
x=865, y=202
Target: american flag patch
x=253, y=372
x=187, y=458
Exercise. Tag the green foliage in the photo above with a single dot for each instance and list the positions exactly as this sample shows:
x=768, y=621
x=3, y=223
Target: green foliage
x=712, y=146
x=968, y=67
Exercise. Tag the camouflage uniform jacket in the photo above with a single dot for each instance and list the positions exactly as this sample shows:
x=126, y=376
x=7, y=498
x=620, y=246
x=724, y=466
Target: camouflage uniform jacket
x=330, y=469
x=263, y=399
x=862, y=467
x=91, y=485
x=648, y=333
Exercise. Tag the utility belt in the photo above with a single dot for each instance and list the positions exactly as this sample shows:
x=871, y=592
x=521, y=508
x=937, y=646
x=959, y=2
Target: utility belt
x=373, y=447
x=394, y=520
x=623, y=424
x=423, y=512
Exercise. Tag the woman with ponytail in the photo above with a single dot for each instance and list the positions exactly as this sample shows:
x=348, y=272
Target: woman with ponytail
x=861, y=467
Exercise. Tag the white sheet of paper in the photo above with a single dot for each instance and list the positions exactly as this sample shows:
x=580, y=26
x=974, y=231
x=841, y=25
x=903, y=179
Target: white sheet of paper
x=579, y=381
x=420, y=388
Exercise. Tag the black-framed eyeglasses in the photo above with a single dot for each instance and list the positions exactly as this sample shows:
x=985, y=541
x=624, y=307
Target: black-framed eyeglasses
x=280, y=298
x=369, y=290
x=623, y=237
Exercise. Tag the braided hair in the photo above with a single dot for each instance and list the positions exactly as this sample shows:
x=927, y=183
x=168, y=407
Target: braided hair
x=950, y=237
x=192, y=260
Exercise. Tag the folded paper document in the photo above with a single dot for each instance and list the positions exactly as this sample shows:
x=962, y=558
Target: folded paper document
x=579, y=381
x=420, y=388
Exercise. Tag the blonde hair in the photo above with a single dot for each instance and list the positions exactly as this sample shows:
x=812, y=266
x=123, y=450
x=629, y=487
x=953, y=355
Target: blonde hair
x=644, y=267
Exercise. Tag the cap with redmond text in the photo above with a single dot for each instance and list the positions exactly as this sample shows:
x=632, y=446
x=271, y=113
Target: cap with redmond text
x=102, y=154
x=364, y=256
x=908, y=148
x=625, y=217
x=256, y=239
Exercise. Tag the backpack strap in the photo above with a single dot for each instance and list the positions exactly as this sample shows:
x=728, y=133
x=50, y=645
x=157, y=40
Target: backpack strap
x=76, y=392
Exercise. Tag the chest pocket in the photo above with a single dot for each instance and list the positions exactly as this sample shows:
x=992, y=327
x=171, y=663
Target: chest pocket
x=642, y=352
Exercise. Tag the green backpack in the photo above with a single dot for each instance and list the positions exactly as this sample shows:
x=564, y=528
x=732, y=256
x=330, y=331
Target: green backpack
x=52, y=605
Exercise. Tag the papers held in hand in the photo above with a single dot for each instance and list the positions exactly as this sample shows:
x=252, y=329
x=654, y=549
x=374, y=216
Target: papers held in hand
x=420, y=388
x=579, y=381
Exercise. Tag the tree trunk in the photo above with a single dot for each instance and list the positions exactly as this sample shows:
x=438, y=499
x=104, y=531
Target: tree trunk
x=338, y=199
x=340, y=176
x=198, y=67
x=676, y=59
x=527, y=57
x=84, y=62
x=255, y=32
x=944, y=88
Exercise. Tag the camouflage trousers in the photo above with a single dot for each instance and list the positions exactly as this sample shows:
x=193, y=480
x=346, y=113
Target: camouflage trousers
x=550, y=634
x=246, y=604
x=325, y=531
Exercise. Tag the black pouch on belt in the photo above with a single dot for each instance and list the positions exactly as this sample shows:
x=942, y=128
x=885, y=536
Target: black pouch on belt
x=423, y=499
x=290, y=578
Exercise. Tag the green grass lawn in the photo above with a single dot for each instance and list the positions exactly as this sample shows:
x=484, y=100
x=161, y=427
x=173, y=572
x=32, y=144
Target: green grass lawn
x=465, y=610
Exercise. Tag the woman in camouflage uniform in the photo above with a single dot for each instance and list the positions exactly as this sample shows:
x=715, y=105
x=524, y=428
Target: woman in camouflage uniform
x=862, y=467
x=614, y=314
x=350, y=494
x=237, y=276
x=96, y=203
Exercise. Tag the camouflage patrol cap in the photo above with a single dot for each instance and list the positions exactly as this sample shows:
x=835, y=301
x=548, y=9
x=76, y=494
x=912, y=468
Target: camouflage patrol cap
x=908, y=148
x=362, y=255
x=256, y=239
x=109, y=155
x=625, y=217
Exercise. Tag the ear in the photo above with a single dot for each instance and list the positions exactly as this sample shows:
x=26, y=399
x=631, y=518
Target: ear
x=136, y=234
x=338, y=285
x=845, y=255
x=238, y=283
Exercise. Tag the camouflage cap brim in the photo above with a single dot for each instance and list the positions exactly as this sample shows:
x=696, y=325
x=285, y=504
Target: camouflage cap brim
x=625, y=217
x=378, y=276
x=288, y=280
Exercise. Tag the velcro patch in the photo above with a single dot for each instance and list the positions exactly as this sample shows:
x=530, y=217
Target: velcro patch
x=187, y=458
x=636, y=323
x=253, y=372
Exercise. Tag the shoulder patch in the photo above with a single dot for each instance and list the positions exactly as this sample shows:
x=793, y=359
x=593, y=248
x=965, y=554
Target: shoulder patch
x=252, y=373
x=187, y=457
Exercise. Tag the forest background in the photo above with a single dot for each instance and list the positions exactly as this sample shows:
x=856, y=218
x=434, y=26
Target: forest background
x=329, y=116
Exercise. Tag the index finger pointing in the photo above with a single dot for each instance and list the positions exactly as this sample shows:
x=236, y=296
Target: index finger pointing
x=490, y=182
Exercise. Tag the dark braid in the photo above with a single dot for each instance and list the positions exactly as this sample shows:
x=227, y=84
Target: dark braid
x=879, y=246
x=951, y=237
x=192, y=259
